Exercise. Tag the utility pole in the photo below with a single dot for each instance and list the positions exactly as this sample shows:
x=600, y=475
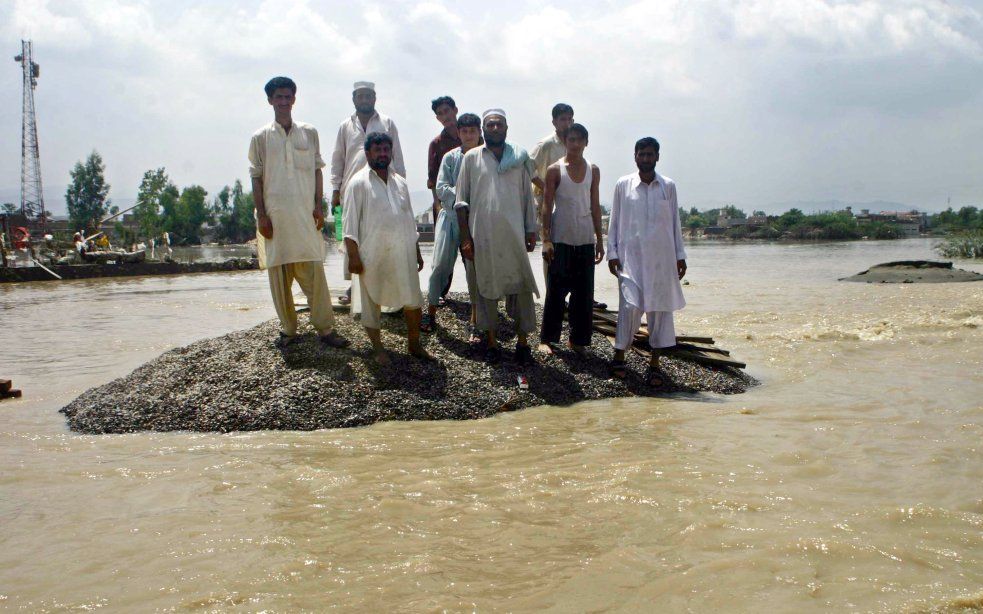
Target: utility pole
x=31, y=195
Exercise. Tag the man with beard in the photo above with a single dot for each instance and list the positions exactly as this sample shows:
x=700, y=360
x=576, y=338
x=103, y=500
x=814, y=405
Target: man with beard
x=349, y=154
x=497, y=216
x=285, y=166
x=646, y=254
x=381, y=242
x=572, y=243
x=447, y=241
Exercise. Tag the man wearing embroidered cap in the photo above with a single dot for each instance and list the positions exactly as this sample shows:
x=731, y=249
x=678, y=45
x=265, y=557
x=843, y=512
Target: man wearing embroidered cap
x=349, y=150
x=285, y=166
x=497, y=216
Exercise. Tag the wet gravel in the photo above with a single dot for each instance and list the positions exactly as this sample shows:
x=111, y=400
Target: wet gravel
x=242, y=381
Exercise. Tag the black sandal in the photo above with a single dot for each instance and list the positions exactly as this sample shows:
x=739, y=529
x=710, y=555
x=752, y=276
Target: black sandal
x=427, y=323
x=617, y=369
x=493, y=355
x=334, y=340
x=654, y=374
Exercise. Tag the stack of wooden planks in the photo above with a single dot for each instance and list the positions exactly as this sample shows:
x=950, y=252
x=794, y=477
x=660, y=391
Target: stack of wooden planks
x=697, y=349
x=7, y=391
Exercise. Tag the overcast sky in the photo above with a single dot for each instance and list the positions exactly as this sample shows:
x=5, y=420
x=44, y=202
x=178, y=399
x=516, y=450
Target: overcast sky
x=754, y=101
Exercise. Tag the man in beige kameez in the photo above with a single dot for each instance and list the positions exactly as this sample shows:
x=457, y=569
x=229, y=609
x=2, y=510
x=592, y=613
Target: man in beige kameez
x=285, y=166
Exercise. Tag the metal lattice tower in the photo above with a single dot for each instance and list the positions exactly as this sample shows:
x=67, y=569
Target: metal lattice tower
x=31, y=195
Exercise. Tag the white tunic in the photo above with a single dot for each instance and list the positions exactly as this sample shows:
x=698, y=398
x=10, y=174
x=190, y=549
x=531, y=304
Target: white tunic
x=286, y=163
x=644, y=233
x=349, y=150
x=378, y=217
x=501, y=213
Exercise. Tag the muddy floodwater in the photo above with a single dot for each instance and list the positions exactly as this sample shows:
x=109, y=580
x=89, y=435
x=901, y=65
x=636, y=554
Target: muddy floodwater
x=851, y=479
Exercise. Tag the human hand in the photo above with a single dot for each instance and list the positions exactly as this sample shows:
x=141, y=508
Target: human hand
x=419, y=261
x=681, y=268
x=598, y=251
x=614, y=266
x=547, y=251
x=530, y=241
x=355, y=266
x=467, y=249
x=318, y=218
x=265, y=225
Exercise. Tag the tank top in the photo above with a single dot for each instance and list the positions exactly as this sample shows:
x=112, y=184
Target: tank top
x=572, y=222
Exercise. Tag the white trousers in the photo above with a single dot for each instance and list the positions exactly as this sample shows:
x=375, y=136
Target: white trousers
x=662, y=332
x=371, y=312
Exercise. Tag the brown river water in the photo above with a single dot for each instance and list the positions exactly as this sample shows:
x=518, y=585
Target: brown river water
x=851, y=479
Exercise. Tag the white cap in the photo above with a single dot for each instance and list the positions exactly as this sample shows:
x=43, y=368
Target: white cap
x=363, y=85
x=492, y=112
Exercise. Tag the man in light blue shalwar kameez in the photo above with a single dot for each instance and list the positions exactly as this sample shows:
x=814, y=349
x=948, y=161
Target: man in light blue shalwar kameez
x=447, y=238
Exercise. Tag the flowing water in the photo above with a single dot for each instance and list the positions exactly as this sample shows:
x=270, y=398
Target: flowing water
x=852, y=479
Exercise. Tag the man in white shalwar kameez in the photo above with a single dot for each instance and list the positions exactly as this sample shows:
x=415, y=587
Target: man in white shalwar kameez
x=381, y=241
x=646, y=254
x=349, y=149
x=285, y=166
x=497, y=216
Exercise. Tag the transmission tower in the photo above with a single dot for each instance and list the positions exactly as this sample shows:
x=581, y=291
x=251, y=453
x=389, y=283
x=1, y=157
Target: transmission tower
x=31, y=196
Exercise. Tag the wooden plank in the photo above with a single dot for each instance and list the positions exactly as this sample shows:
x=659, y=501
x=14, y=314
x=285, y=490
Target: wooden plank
x=5, y=385
x=708, y=360
x=700, y=348
x=706, y=340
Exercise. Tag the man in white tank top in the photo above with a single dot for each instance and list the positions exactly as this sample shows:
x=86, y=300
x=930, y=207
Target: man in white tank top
x=572, y=242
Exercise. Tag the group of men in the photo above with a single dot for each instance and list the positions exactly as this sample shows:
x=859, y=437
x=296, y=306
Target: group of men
x=491, y=201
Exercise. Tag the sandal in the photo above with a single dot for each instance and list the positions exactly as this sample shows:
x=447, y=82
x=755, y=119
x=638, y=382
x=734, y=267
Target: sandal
x=617, y=369
x=428, y=323
x=346, y=298
x=334, y=340
x=284, y=340
x=523, y=355
x=493, y=355
x=655, y=378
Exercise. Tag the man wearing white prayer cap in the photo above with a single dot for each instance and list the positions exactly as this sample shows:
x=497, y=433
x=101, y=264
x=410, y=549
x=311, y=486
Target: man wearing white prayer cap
x=497, y=216
x=349, y=150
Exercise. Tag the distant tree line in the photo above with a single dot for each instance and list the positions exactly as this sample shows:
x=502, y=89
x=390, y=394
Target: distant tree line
x=793, y=224
x=160, y=206
x=966, y=219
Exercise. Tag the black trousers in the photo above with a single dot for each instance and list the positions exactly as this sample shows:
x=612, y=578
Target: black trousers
x=571, y=272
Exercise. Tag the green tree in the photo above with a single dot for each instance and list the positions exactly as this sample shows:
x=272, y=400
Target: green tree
x=147, y=212
x=9, y=208
x=87, y=193
x=791, y=218
x=184, y=215
x=242, y=207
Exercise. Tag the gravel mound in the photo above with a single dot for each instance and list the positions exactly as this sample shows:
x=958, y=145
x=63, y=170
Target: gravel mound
x=242, y=381
x=914, y=272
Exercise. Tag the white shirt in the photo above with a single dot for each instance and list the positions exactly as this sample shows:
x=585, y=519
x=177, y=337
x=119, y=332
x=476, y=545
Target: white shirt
x=349, y=149
x=501, y=211
x=644, y=233
x=378, y=217
x=287, y=164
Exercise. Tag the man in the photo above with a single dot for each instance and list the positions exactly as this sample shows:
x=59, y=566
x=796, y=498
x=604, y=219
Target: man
x=349, y=154
x=447, y=241
x=381, y=242
x=445, y=110
x=497, y=216
x=646, y=254
x=572, y=243
x=550, y=148
x=285, y=166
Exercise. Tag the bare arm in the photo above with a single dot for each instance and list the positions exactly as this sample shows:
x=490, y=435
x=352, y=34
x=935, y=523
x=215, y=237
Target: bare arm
x=546, y=215
x=595, y=212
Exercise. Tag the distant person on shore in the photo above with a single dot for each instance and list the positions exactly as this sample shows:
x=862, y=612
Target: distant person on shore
x=646, y=254
x=382, y=245
x=285, y=166
x=447, y=240
x=349, y=150
x=572, y=243
x=497, y=216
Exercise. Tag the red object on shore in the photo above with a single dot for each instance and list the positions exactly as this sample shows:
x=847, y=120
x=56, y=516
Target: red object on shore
x=22, y=237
